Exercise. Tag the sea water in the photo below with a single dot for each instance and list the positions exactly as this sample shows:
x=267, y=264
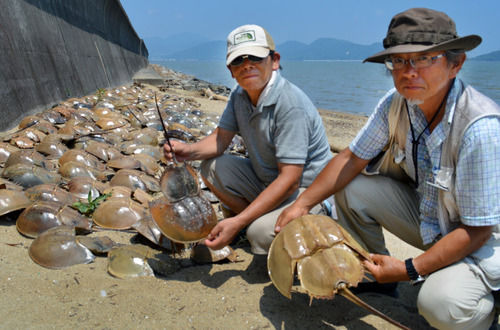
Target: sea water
x=346, y=86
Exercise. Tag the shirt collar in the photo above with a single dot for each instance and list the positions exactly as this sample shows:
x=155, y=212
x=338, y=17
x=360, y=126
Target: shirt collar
x=268, y=88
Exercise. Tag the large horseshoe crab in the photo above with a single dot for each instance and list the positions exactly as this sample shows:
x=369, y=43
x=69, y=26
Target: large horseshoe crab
x=327, y=260
x=181, y=214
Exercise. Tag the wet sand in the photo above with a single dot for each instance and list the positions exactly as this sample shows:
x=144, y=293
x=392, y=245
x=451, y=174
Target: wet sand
x=214, y=296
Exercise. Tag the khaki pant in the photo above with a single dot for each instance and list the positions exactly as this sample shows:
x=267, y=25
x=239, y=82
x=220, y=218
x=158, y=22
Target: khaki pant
x=451, y=298
x=235, y=175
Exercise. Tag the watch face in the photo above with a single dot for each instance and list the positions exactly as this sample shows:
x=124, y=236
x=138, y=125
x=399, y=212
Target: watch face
x=419, y=279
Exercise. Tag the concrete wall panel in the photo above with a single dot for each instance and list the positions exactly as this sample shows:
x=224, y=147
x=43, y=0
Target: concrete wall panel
x=51, y=50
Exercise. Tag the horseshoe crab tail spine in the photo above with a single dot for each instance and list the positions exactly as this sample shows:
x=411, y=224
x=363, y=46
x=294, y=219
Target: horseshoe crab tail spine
x=164, y=129
x=344, y=291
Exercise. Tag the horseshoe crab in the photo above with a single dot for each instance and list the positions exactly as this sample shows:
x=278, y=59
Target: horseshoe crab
x=12, y=200
x=128, y=261
x=29, y=157
x=118, y=213
x=179, y=181
x=202, y=254
x=135, y=179
x=72, y=169
x=29, y=175
x=181, y=214
x=188, y=220
x=39, y=217
x=6, y=150
x=51, y=147
x=50, y=192
x=326, y=257
x=80, y=186
x=97, y=245
x=82, y=157
x=57, y=248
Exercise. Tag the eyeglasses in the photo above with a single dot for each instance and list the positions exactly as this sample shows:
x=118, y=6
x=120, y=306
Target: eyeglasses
x=419, y=62
x=240, y=59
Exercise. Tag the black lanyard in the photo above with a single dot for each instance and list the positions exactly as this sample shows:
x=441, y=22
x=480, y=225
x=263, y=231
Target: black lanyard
x=415, y=142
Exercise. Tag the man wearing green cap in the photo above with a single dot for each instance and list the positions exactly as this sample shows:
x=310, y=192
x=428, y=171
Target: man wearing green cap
x=283, y=134
x=432, y=147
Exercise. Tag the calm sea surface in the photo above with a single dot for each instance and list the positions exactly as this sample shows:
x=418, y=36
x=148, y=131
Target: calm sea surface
x=347, y=86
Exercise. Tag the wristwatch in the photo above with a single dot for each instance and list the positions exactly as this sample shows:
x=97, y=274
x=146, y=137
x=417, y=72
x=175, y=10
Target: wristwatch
x=414, y=276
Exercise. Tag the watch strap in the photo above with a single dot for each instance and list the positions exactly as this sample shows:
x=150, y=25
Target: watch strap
x=414, y=276
x=410, y=269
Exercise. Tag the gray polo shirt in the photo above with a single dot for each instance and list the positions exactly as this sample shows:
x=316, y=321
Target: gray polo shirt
x=285, y=127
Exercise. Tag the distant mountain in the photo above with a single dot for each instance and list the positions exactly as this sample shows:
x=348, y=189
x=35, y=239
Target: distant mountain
x=320, y=49
x=211, y=50
x=332, y=49
x=493, y=56
x=159, y=47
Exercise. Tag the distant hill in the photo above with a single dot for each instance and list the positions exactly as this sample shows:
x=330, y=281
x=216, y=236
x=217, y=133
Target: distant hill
x=493, y=56
x=161, y=47
x=211, y=50
x=320, y=49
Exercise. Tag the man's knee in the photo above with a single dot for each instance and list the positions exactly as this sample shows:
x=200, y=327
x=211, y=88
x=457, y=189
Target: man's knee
x=260, y=237
x=354, y=191
x=445, y=306
x=207, y=169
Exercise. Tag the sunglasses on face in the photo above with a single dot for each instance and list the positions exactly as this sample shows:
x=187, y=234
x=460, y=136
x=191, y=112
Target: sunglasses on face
x=240, y=59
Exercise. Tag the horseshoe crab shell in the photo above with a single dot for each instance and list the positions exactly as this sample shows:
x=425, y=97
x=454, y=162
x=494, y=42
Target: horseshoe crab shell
x=128, y=261
x=80, y=186
x=82, y=157
x=202, y=254
x=28, y=157
x=135, y=179
x=50, y=192
x=12, y=200
x=57, y=248
x=188, y=220
x=326, y=257
x=74, y=169
x=311, y=242
x=6, y=150
x=179, y=181
x=51, y=148
x=29, y=175
x=37, y=218
x=97, y=245
x=125, y=162
x=149, y=229
x=118, y=213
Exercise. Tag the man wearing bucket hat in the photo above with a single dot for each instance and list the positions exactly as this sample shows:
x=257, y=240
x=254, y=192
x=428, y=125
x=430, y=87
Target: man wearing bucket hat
x=435, y=182
x=283, y=134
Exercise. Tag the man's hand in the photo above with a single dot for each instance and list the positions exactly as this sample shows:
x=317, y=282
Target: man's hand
x=182, y=151
x=223, y=233
x=386, y=269
x=288, y=214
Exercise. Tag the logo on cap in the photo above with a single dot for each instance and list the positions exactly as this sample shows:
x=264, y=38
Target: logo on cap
x=244, y=37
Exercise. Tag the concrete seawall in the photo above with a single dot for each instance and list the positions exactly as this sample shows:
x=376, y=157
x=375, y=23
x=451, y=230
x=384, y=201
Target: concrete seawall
x=55, y=49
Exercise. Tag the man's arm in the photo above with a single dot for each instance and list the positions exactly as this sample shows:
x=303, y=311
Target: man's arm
x=453, y=247
x=211, y=146
x=341, y=170
x=285, y=184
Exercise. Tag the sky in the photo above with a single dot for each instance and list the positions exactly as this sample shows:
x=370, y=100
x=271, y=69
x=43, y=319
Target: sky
x=363, y=22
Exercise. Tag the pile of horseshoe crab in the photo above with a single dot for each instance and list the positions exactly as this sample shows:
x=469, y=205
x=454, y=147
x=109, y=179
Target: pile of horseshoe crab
x=95, y=164
x=327, y=260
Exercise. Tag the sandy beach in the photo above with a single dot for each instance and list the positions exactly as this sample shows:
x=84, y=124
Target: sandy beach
x=223, y=295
